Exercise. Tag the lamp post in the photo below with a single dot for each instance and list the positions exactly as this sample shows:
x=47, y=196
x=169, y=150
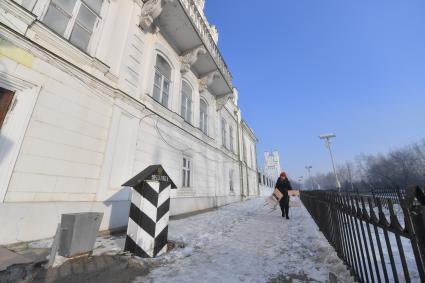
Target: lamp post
x=327, y=138
x=300, y=180
x=308, y=167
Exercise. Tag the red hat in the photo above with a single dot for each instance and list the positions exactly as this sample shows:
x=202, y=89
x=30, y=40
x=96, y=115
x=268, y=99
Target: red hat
x=283, y=174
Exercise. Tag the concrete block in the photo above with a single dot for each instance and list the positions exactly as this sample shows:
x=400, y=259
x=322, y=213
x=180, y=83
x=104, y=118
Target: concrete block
x=78, y=232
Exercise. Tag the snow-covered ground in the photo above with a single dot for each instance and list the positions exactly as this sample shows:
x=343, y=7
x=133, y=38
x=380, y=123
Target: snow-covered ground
x=246, y=242
x=241, y=242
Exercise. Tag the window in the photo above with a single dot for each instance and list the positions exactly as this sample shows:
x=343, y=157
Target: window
x=73, y=19
x=5, y=102
x=186, y=110
x=203, y=117
x=231, y=138
x=223, y=132
x=187, y=168
x=162, y=81
x=231, y=180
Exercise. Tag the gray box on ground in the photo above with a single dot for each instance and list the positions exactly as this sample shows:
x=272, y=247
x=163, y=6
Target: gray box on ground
x=78, y=233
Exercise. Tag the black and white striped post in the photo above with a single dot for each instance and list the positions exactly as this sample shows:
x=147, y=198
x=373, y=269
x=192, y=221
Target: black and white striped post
x=147, y=231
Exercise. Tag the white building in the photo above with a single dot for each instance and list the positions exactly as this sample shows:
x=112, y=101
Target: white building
x=94, y=91
x=272, y=164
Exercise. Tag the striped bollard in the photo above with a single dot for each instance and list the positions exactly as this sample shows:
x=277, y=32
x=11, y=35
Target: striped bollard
x=147, y=231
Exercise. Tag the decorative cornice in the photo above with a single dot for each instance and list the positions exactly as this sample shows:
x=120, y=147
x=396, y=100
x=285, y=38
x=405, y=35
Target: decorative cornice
x=44, y=36
x=150, y=11
x=207, y=80
x=17, y=11
x=14, y=83
x=61, y=63
x=205, y=32
x=221, y=100
x=190, y=57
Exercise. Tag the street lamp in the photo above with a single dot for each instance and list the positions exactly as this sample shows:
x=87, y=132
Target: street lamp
x=327, y=138
x=308, y=167
x=300, y=180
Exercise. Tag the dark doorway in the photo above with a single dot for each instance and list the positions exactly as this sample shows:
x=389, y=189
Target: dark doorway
x=6, y=97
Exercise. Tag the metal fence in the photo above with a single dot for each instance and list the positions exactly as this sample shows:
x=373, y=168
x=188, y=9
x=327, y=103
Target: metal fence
x=378, y=243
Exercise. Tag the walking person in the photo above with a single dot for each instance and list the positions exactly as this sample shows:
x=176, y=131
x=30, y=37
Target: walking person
x=283, y=185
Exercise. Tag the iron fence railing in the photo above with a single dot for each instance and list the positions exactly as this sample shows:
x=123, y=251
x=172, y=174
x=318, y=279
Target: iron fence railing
x=378, y=243
x=394, y=194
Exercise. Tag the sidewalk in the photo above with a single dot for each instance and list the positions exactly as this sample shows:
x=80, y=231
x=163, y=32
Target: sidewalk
x=242, y=242
x=246, y=242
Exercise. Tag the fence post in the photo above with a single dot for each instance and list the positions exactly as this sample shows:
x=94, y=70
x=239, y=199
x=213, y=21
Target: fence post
x=415, y=199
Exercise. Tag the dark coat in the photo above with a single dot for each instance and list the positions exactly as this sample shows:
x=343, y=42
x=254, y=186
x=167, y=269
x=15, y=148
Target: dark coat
x=283, y=186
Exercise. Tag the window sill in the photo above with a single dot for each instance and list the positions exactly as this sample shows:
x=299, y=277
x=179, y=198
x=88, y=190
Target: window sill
x=44, y=36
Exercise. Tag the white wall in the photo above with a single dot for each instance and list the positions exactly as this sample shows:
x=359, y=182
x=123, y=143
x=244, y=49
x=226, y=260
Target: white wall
x=83, y=133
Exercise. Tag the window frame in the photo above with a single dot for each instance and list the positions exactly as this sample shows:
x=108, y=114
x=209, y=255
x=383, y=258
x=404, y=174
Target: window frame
x=224, y=132
x=41, y=8
x=231, y=139
x=203, y=119
x=187, y=103
x=163, y=78
x=187, y=172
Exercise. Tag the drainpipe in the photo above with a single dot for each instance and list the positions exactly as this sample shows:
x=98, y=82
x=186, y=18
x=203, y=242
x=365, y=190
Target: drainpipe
x=256, y=168
x=236, y=112
x=246, y=163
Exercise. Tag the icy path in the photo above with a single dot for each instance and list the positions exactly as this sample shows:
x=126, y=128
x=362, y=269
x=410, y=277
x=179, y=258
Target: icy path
x=244, y=242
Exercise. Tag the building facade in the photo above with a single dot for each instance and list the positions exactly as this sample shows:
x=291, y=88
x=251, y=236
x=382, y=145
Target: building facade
x=272, y=164
x=94, y=91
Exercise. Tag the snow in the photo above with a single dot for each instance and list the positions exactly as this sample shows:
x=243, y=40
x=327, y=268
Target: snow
x=241, y=242
x=246, y=242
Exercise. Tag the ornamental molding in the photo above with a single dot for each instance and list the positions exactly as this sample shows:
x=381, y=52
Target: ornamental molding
x=150, y=11
x=190, y=57
x=14, y=83
x=42, y=35
x=17, y=11
x=207, y=80
x=221, y=100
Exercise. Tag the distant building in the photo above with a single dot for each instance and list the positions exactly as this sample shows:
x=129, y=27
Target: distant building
x=272, y=164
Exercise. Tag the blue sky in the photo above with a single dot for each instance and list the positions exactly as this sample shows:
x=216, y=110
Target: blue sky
x=305, y=67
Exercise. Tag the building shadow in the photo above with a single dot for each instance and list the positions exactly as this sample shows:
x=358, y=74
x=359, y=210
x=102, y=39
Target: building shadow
x=119, y=204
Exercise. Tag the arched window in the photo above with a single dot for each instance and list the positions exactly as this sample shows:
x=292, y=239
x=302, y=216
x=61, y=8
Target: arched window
x=203, y=123
x=162, y=81
x=186, y=110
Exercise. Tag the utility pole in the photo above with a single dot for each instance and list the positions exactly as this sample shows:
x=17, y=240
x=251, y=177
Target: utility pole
x=300, y=180
x=327, y=138
x=308, y=167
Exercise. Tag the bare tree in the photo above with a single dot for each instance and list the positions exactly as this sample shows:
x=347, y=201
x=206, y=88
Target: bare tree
x=400, y=167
